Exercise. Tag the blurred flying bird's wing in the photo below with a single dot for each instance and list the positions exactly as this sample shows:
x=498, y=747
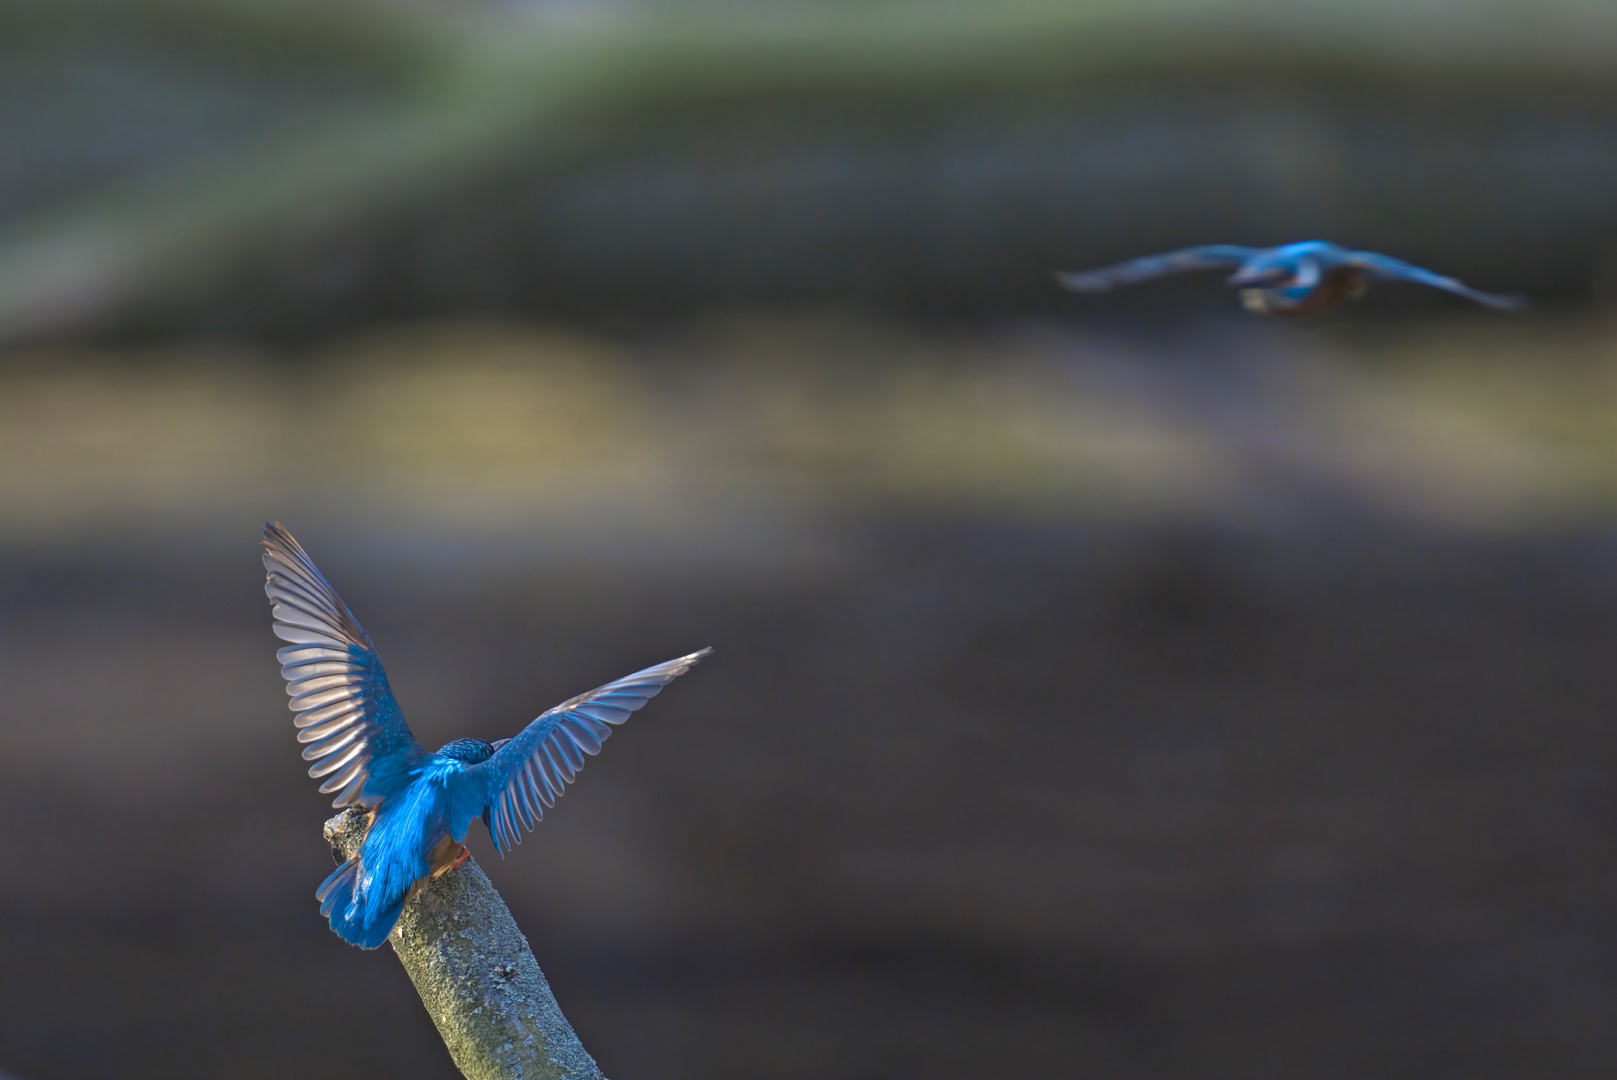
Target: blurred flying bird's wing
x=1385, y=266
x=1155, y=266
x=346, y=713
x=529, y=772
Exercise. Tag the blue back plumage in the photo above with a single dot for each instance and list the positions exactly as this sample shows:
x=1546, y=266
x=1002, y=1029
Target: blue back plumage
x=470, y=751
x=406, y=828
x=363, y=903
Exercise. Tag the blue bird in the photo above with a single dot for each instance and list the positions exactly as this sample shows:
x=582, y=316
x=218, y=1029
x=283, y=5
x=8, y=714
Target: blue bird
x=421, y=803
x=1303, y=279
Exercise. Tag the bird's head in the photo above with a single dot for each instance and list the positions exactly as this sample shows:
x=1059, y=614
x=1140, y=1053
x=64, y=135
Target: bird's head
x=471, y=751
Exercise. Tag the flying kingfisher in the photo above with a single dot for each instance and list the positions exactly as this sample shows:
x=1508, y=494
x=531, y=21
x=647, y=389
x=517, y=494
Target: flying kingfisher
x=421, y=803
x=1297, y=280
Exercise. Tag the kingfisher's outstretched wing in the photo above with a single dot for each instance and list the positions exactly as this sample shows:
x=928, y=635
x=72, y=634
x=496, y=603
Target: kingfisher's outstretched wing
x=529, y=772
x=1396, y=269
x=346, y=713
x=1154, y=266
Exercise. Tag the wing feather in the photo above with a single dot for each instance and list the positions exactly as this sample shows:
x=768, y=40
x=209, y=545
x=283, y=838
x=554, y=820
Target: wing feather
x=352, y=776
x=568, y=746
x=350, y=793
x=549, y=790
x=313, y=681
x=315, y=699
x=1206, y=257
x=583, y=735
x=331, y=764
x=526, y=806
x=330, y=727
x=529, y=772
x=332, y=742
x=1385, y=266
x=337, y=687
x=330, y=712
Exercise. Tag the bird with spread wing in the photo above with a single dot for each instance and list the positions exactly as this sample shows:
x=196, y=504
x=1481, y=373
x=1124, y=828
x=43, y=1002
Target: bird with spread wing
x=1309, y=278
x=421, y=804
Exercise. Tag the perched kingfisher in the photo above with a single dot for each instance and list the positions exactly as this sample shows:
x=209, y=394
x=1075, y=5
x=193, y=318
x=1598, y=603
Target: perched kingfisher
x=1296, y=280
x=421, y=803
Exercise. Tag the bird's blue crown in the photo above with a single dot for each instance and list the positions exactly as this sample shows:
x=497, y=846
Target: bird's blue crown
x=471, y=751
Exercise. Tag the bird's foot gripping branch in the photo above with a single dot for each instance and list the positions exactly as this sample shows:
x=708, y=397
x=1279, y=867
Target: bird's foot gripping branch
x=476, y=975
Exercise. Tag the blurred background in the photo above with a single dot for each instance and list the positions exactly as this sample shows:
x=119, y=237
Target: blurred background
x=1104, y=686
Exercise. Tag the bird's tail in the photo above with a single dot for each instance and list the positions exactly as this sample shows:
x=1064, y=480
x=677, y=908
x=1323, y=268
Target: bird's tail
x=347, y=914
